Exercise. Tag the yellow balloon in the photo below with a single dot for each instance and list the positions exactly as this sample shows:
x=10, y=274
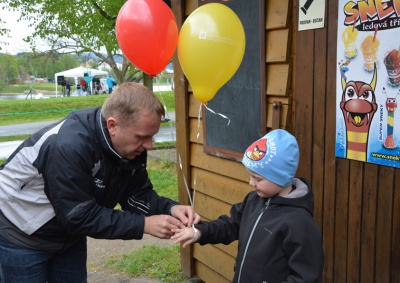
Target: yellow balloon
x=211, y=46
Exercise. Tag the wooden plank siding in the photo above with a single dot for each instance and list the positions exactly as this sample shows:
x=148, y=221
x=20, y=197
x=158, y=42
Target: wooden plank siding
x=394, y=242
x=357, y=205
x=218, y=183
x=179, y=9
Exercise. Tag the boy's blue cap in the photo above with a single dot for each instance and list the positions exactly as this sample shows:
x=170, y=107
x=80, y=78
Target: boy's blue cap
x=274, y=157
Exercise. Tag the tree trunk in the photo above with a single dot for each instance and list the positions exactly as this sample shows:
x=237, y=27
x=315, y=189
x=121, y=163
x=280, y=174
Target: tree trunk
x=148, y=81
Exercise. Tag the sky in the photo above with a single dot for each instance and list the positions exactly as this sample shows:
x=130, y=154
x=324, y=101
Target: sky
x=19, y=30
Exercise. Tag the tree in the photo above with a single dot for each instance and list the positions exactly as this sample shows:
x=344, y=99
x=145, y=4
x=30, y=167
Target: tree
x=68, y=62
x=59, y=63
x=9, y=66
x=3, y=31
x=85, y=26
x=31, y=64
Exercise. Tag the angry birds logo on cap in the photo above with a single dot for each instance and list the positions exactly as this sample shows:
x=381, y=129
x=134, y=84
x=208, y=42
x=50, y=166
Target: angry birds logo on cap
x=257, y=150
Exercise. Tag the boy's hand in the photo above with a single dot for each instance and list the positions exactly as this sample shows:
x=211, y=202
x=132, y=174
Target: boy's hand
x=188, y=235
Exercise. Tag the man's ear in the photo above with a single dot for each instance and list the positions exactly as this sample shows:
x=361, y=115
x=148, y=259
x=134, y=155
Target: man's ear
x=111, y=125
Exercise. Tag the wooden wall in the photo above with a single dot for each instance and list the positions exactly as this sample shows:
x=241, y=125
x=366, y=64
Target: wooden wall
x=218, y=182
x=357, y=205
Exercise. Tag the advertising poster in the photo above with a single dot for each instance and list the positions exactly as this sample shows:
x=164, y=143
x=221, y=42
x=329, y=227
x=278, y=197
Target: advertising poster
x=368, y=82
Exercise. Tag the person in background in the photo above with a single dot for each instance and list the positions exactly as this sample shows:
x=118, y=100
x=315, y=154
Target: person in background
x=278, y=238
x=62, y=184
x=68, y=87
x=83, y=85
x=98, y=88
x=110, y=84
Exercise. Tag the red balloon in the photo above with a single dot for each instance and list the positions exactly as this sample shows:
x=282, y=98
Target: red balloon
x=147, y=34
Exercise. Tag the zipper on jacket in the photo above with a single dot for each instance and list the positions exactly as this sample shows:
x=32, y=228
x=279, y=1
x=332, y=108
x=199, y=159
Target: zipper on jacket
x=251, y=236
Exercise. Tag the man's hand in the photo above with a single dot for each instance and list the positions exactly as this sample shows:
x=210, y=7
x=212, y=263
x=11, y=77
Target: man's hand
x=160, y=226
x=185, y=214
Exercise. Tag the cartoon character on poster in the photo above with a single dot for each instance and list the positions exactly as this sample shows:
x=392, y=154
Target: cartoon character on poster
x=368, y=81
x=391, y=105
x=358, y=106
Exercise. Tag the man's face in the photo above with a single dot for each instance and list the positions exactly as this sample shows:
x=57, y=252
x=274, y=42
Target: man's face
x=130, y=140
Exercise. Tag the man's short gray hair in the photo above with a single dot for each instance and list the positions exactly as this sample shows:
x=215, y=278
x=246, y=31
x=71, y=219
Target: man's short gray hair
x=130, y=98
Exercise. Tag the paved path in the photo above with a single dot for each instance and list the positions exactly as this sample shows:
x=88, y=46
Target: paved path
x=23, y=129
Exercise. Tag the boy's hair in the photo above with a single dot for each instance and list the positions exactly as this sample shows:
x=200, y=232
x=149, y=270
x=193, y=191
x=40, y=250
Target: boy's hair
x=274, y=157
x=128, y=99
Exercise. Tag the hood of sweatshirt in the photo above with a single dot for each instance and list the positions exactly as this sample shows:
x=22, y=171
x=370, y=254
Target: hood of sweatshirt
x=301, y=196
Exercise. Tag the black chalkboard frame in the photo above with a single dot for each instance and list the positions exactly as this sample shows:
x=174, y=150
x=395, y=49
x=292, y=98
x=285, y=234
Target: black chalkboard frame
x=243, y=98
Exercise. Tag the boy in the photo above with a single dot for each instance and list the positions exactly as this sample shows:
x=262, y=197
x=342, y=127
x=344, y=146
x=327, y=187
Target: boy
x=278, y=238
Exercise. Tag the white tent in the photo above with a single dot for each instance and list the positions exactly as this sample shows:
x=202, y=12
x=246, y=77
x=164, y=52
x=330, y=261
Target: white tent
x=79, y=72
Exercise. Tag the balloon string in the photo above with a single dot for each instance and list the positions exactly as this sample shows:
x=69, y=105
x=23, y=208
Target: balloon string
x=197, y=149
x=180, y=160
x=186, y=184
x=192, y=199
x=222, y=115
x=199, y=121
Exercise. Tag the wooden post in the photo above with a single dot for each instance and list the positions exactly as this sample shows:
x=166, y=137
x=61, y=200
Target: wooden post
x=182, y=134
x=276, y=114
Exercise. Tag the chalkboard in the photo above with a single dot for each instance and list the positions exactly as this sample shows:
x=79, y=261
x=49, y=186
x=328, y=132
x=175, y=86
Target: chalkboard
x=242, y=99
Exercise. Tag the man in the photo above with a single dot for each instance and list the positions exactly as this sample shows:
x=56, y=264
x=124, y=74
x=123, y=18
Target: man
x=68, y=88
x=110, y=84
x=63, y=182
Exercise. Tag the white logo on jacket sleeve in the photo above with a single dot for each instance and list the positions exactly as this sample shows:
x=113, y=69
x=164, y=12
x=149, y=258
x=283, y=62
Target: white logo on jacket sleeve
x=99, y=183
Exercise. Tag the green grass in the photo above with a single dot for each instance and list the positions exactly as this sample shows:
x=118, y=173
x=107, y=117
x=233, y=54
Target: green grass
x=151, y=261
x=44, y=88
x=14, y=138
x=24, y=88
x=163, y=177
x=35, y=110
x=157, y=145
